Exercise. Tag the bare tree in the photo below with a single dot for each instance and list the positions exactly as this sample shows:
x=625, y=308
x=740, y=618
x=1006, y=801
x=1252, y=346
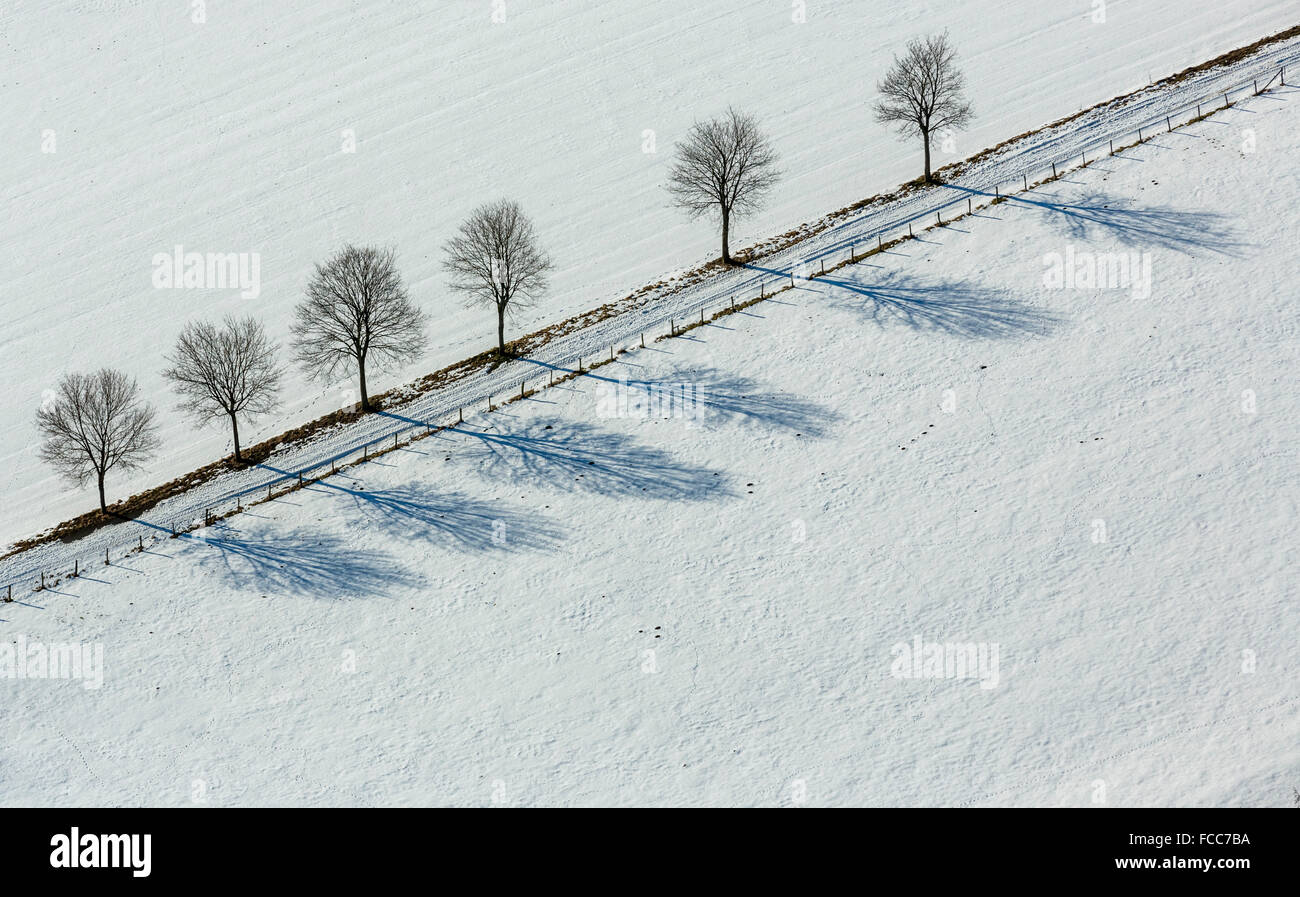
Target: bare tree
x=495, y=260
x=95, y=423
x=725, y=164
x=225, y=371
x=923, y=93
x=356, y=312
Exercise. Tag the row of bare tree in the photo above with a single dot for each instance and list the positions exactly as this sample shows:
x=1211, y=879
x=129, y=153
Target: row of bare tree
x=356, y=314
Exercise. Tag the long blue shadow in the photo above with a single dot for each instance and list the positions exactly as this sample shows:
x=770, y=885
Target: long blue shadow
x=720, y=396
x=415, y=511
x=307, y=563
x=947, y=307
x=582, y=457
x=1161, y=227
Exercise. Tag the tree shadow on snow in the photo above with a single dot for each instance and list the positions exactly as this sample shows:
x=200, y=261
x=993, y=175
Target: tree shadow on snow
x=1095, y=214
x=454, y=520
x=317, y=565
x=579, y=456
x=721, y=396
x=948, y=307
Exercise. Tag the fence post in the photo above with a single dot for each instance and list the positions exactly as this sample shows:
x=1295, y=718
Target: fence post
x=1225, y=101
x=1256, y=87
x=879, y=248
x=1112, y=147
x=733, y=302
x=489, y=408
x=909, y=229
x=460, y=415
x=762, y=291
x=702, y=310
x=969, y=208
x=1026, y=177
x=1168, y=125
x=107, y=562
x=1139, y=135
x=672, y=329
x=852, y=256
x=76, y=567
x=521, y=389
x=939, y=217
x=142, y=543
x=1053, y=169
x=1198, y=110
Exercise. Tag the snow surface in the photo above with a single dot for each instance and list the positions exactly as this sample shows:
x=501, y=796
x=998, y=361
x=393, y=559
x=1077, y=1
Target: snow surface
x=924, y=445
x=226, y=136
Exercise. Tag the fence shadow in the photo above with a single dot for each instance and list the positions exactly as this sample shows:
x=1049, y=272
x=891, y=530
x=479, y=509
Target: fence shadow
x=958, y=309
x=311, y=564
x=578, y=456
x=1161, y=227
x=721, y=395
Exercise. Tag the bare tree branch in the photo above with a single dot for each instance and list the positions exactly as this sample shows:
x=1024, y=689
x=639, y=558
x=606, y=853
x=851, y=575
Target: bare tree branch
x=495, y=260
x=923, y=93
x=96, y=423
x=357, y=311
x=725, y=164
x=225, y=372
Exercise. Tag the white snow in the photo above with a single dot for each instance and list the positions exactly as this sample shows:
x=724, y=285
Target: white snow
x=227, y=136
x=928, y=445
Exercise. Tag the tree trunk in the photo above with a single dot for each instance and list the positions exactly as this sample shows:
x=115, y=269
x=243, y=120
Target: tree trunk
x=365, y=396
x=234, y=426
x=103, y=507
x=726, y=226
x=925, y=137
x=501, y=329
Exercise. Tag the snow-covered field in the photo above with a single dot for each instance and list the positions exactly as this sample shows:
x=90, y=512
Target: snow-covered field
x=135, y=129
x=569, y=603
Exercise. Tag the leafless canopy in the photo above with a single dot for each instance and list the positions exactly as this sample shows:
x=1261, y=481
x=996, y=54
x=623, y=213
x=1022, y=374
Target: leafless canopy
x=225, y=371
x=495, y=260
x=923, y=93
x=726, y=165
x=95, y=423
x=356, y=311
